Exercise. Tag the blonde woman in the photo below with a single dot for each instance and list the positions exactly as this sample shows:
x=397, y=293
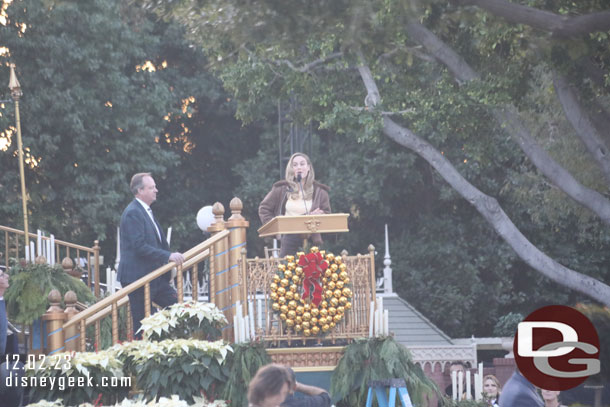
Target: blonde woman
x=298, y=194
x=492, y=390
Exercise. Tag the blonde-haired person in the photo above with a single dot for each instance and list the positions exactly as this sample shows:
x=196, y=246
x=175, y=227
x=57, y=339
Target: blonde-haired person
x=298, y=194
x=492, y=390
x=551, y=398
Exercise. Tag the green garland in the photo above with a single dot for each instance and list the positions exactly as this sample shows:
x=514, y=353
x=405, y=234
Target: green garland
x=30, y=284
x=377, y=359
x=244, y=362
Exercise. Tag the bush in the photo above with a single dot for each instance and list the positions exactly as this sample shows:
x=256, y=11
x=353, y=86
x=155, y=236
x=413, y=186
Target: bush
x=243, y=363
x=79, y=366
x=26, y=298
x=377, y=359
x=182, y=367
x=192, y=319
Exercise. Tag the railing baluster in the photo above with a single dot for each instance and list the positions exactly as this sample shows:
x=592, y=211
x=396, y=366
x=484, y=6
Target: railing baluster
x=115, y=323
x=194, y=282
x=147, y=300
x=98, y=335
x=180, y=284
x=83, y=335
x=129, y=324
x=211, y=276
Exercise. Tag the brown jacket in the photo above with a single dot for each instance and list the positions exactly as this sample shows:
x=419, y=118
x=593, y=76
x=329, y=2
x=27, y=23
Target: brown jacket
x=274, y=203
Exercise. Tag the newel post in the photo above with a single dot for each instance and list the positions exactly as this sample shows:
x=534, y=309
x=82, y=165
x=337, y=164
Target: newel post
x=71, y=333
x=237, y=226
x=219, y=264
x=54, y=318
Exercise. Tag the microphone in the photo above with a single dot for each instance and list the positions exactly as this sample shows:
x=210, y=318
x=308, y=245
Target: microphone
x=302, y=193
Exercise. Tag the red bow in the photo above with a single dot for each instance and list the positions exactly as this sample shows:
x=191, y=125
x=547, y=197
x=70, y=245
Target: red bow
x=313, y=265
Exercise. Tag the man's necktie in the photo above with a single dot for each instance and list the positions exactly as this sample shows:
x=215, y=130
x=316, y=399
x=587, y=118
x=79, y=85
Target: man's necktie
x=155, y=223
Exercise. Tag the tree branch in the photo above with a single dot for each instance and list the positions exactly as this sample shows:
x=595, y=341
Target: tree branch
x=583, y=125
x=487, y=206
x=557, y=24
x=509, y=117
x=308, y=67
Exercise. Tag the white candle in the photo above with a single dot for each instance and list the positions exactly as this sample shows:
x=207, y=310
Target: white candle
x=259, y=311
x=48, y=253
x=480, y=379
x=477, y=391
x=235, y=329
x=32, y=252
x=454, y=385
x=371, y=319
x=468, y=395
x=460, y=385
x=53, y=260
x=38, y=243
x=27, y=253
x=246, y=328
x=386, y=322
x=251, y=319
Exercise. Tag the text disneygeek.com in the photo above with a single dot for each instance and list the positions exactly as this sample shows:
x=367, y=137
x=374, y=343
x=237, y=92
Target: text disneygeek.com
x=62, y=382
x=37, y=362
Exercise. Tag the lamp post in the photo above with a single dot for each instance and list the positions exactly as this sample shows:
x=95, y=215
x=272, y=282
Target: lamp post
x=16, y=93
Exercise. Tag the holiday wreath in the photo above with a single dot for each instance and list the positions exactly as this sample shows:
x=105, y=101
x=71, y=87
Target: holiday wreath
x=311, y=294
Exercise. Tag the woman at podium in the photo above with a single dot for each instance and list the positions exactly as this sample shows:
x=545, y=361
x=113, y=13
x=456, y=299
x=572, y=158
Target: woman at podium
x=298, y=194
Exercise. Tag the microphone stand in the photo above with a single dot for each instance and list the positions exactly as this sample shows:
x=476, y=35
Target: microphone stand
x=302, y=194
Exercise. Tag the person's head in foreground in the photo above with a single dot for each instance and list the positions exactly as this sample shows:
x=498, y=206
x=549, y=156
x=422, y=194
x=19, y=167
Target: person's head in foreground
x=269, y=387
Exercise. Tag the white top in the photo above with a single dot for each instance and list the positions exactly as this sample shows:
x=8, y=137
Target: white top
x=296, y=207
x=150, y=215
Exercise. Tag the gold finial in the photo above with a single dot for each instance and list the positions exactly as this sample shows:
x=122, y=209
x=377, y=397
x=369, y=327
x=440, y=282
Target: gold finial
x=13, y=84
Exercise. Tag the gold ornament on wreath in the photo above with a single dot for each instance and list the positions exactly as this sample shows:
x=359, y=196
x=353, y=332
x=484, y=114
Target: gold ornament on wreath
x=311, y=292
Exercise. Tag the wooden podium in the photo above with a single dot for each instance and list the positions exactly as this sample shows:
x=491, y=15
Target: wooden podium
x=292, y=225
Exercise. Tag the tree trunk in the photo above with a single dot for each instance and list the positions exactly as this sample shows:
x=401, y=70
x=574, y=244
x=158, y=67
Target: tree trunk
x=509, y=117
x=557, y=24
x=487, y=206
x=583, y=125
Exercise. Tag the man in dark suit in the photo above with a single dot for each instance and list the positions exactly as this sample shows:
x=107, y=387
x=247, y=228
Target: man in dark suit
x=11, y=370
x=144, y=249
x=519, y=392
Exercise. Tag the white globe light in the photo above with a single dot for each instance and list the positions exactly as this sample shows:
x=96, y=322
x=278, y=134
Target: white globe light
x=205, y=218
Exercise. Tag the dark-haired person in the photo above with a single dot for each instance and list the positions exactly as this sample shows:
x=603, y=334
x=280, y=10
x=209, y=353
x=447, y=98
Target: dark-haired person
x=11, y=391
x=312, y=396
x=457, y=367
x=269, y=387
x=298, y=194
x=144, y=249
x=551, y=398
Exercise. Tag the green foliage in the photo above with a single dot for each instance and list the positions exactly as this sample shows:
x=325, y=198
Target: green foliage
x=30, y=285
x=193, y=319
x=377, y=358
x=243, y=363
x=95, y=377
x=507, y=324
x=600, y=317
x=184, y=367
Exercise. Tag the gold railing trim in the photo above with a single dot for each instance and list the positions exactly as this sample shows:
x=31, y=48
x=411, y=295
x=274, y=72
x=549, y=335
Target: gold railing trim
x=304, y=369
x=57, y=241
x=320, y=349
x=189, y=254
